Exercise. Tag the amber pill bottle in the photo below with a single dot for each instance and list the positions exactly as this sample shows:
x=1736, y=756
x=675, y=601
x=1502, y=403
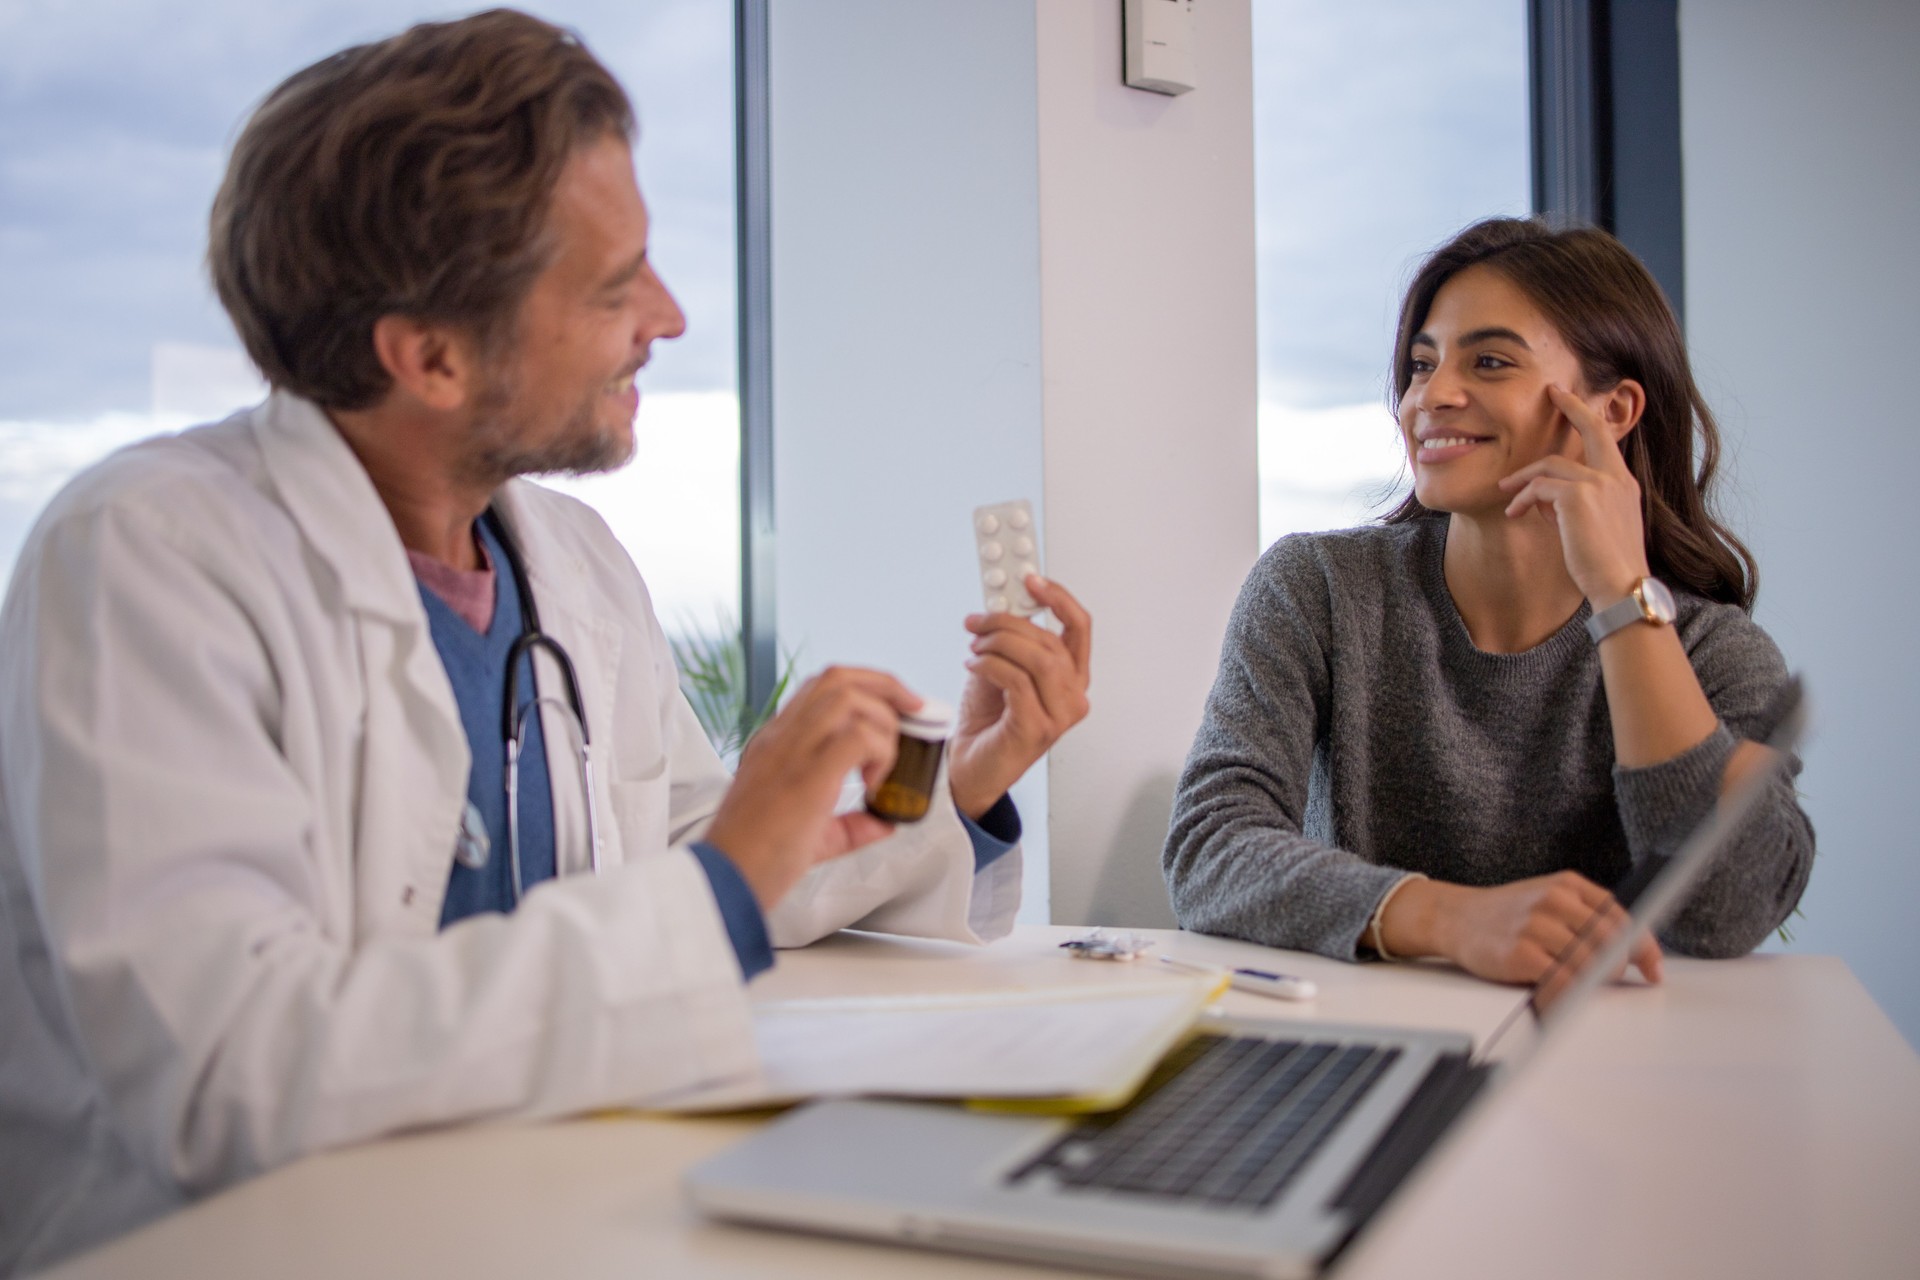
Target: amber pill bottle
x=907, y=792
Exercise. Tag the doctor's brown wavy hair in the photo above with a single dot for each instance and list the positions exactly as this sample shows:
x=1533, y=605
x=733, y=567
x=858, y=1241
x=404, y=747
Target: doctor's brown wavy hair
x=412, y=177
x=1608, y=308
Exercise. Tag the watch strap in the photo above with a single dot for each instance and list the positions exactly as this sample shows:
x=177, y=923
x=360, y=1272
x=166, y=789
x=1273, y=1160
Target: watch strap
x=1636, y=607
x=1621, y=613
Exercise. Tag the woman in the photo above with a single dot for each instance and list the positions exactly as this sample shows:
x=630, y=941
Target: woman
x=1414, y=746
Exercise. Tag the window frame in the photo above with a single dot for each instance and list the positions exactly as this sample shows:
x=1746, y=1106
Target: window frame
x=1605, y=89
x=754, y=272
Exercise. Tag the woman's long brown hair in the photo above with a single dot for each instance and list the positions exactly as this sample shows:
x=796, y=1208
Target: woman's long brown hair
x=1606, y=306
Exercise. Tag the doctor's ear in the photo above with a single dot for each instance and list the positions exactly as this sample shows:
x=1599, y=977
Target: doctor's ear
x=1622, y=407
x=429, y=363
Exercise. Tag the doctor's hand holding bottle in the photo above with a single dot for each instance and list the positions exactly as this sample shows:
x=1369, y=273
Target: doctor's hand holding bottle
x=1026, y=687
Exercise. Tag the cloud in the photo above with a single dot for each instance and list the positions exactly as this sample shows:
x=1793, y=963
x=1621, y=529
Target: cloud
x=1380, y=129
x=675, y=507
x=1326, y=468
x=115, y=120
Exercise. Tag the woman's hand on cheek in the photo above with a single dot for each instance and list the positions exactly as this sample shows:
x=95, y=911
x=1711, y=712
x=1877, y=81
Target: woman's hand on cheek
x=1593, y=501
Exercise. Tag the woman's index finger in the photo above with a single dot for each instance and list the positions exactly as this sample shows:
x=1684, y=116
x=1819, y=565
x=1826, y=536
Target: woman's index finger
x=1602, y=450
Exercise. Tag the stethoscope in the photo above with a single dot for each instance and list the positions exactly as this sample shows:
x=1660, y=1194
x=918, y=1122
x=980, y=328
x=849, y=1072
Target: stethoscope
x=472, y=848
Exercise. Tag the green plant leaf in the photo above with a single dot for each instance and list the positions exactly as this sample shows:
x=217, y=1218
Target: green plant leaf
x=712, y=663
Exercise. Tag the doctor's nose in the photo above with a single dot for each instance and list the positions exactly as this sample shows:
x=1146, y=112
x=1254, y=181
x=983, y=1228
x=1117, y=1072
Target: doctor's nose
x=660, y=315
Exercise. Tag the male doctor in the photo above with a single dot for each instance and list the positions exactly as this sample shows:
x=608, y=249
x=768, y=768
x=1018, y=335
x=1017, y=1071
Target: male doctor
x=262, y=889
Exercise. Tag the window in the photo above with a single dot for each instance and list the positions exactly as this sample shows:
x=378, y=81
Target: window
x=113, y=137
x=1380, y=130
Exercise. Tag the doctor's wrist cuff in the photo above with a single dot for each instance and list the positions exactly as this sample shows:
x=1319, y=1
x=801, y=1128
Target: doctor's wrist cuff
x=739, y=910
x=994, y=833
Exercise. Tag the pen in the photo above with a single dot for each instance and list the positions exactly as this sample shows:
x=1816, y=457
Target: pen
x=1261, y=982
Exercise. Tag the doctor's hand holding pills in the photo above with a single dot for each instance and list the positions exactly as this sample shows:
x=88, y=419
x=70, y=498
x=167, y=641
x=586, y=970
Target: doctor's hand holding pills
x=1026, y=687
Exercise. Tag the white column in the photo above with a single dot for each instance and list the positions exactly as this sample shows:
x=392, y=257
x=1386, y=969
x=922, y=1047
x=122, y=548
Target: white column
x=1000, y=273
x=906, y=328
x=1147, y=307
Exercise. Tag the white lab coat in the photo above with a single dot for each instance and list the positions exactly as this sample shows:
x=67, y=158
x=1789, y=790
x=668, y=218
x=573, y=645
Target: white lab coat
x=231, y=774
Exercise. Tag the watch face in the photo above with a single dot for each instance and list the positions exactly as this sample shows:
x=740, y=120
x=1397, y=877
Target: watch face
x=1656, y=602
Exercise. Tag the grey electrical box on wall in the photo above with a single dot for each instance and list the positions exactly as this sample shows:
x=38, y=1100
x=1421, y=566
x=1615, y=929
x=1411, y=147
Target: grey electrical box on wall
x=1159, y=40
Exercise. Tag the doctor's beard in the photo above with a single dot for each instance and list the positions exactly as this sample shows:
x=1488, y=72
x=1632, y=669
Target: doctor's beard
x=581, y=447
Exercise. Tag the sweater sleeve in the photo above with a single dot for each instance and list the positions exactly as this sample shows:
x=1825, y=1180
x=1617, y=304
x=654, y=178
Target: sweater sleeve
x=1237, y=861
x=1757, y=880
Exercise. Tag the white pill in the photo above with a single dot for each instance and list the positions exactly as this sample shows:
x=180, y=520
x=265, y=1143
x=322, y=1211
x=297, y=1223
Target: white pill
x=1023, y=546
x=997, y=604
x=1025, y=571
x=989, y=524
x=991, y=551
x=1018, y=519
x=995, y=577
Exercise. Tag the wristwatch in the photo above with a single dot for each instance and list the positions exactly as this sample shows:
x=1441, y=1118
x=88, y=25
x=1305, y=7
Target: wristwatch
x=1650, y=601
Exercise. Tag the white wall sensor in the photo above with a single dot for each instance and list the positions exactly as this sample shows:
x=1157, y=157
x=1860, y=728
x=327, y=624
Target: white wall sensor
x=1159, y=44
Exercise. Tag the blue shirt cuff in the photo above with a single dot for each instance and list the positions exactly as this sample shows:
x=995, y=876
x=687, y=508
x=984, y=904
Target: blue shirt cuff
x=997, y=831
x=739, y=910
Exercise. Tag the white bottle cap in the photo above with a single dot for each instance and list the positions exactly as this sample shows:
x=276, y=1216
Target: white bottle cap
x=931, y=723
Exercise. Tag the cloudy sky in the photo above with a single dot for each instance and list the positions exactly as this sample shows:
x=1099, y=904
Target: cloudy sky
x=115, y=120
x=115, y=117
x=1382, y=127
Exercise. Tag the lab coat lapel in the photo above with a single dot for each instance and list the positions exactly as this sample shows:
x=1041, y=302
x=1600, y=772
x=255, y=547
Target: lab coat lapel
x=333, y=500
x=413, y=784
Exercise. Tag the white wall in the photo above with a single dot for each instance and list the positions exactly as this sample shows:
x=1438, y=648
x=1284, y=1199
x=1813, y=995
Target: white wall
x=906, y=328
x=1000, y=273
x=1147, y=306
x=1801, y=129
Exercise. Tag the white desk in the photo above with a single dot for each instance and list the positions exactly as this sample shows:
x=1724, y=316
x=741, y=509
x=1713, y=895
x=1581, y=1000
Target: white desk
x=1751, y=1118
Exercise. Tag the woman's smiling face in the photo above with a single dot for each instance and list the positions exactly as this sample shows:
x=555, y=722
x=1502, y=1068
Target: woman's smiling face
x=1476, y=407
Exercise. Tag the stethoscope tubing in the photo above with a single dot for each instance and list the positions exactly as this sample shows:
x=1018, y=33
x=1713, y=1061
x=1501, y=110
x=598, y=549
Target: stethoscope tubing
x=514, y=717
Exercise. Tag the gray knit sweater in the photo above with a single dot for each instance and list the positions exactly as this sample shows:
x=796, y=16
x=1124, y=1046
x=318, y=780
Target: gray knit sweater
x=1355, y=733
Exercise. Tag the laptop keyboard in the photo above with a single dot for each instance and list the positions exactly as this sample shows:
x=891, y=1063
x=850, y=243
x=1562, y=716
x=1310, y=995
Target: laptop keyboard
x=1228, y=1120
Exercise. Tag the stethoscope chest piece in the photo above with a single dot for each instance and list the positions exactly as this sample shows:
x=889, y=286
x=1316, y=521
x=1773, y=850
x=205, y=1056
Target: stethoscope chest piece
x=473, y=846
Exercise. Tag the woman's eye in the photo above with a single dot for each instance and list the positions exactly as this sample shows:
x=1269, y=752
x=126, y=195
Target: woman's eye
x=1487, y=360
x=1417, y=366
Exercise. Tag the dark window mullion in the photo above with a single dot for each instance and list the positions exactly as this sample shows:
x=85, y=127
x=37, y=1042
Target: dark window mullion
x=1647, y=209
x=1606, y=125
x=752, y=197
x=1567, y=181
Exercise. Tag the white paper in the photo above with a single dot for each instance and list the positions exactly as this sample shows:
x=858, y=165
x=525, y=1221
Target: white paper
x=1069, y=1042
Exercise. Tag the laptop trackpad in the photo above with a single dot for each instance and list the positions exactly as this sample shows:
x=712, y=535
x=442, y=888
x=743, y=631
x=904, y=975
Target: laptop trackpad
x=867, y=1150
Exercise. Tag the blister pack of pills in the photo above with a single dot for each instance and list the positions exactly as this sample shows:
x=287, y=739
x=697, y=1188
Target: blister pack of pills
x=1104, y=944
x=1005, y=537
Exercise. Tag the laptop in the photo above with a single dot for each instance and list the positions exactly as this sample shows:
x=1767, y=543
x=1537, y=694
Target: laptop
x=1256, y=1148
